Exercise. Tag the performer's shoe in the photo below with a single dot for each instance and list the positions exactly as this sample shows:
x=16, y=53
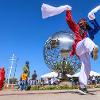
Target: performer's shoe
x=83, y=91
x=95, y=53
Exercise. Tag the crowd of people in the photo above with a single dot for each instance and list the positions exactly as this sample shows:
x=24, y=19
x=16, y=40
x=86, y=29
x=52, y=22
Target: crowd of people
x=93, y=80
x=24, y=81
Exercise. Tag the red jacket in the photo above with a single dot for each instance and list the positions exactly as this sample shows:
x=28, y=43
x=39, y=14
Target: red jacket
x=2, y=74
x=75, y=28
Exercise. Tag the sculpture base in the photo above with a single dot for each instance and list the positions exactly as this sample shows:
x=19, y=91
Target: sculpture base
x=65, y=83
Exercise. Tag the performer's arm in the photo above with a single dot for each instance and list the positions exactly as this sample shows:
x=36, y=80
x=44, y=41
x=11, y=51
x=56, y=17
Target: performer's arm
x=96, y=26
x=73, y=26
x=91, y=14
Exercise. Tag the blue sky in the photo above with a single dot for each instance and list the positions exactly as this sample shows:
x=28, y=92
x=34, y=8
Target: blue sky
x=24, y=32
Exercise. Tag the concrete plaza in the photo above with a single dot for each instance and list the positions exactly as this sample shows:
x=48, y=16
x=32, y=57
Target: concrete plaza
x=49, y=95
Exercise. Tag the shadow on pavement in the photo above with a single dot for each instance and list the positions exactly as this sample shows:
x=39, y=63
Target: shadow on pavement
x=91, y=92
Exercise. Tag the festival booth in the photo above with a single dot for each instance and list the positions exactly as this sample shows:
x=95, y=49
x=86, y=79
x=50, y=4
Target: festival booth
x=93, y=76
x=50, y=75
x=92, y=73
x=50, y=78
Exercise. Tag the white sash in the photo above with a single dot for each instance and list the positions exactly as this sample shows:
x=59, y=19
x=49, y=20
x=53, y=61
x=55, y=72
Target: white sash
x=48, y=10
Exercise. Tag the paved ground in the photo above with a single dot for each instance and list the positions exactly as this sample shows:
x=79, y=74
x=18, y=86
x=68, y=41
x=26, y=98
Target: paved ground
x=49, y=95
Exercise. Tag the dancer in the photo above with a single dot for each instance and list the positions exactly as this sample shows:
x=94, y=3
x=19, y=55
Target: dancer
x=83, y=46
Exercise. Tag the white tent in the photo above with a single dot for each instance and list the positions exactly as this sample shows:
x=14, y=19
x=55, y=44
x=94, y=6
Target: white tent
x=50, y=75
x=91, y=74
x=76, y=74
x=68, y=75
x=94, y=73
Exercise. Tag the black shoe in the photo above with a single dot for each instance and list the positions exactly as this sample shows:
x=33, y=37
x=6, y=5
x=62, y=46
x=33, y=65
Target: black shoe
x=82, y=91
x=85, y=89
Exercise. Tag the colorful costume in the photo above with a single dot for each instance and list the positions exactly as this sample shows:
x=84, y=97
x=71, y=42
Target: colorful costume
x=83, y=46
x=23, y=84
x=24, y=77
x=76, y=29
x=26, y=68
x=93, y=31
x=91, y=16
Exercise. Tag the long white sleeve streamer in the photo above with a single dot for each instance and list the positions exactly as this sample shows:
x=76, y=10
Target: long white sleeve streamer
x=48, y=10
x=91, y=14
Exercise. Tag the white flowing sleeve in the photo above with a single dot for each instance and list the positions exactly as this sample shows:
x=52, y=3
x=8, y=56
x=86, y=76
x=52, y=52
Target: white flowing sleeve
x=91, y=14
x=48, y=10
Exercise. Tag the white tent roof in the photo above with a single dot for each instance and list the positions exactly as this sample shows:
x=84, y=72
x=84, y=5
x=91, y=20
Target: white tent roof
x=68, y=75
x=50, y=75
x=91, y=74
x=94, y=73
x=76, y=74
x=55, y=74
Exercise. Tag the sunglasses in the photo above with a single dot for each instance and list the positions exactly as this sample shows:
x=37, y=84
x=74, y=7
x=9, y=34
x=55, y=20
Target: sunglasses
x=82, y=23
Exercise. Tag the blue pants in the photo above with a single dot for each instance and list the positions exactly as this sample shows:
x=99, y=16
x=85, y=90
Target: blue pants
x=23, y=85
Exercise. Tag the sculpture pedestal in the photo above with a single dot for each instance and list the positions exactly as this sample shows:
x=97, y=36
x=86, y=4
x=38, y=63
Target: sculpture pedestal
x=65, y=83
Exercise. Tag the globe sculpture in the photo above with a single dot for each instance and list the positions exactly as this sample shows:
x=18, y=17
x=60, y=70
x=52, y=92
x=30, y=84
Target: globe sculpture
x=57, y=52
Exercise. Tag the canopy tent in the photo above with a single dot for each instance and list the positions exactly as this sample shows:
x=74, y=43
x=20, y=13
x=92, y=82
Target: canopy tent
x=76, y=74
x=50, y=75
x=91, y=74
x=68, y=75
x=94, y=73
x=55, y=74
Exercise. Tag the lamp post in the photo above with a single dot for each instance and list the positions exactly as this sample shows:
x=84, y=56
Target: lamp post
x=12, y=69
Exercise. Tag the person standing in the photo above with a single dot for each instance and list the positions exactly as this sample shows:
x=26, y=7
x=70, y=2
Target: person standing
x=34, y=78
x=23, y=85
x=26, y=74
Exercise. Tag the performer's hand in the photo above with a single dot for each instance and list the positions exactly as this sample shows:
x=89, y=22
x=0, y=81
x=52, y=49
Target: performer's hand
x=91, y=16
x=68, y=7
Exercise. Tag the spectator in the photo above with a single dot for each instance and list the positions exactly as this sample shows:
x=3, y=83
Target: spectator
x=23, y=84
x=93, y=81
x=34, y=78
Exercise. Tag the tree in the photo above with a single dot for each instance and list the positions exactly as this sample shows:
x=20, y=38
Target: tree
x=64, y=68
x=13, y=80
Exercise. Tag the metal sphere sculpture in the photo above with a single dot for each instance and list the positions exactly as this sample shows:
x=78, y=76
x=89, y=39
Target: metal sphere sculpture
x=57, y=49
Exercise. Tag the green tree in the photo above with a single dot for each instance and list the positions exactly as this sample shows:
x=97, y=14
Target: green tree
x=13, y=80
x=65, y=68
